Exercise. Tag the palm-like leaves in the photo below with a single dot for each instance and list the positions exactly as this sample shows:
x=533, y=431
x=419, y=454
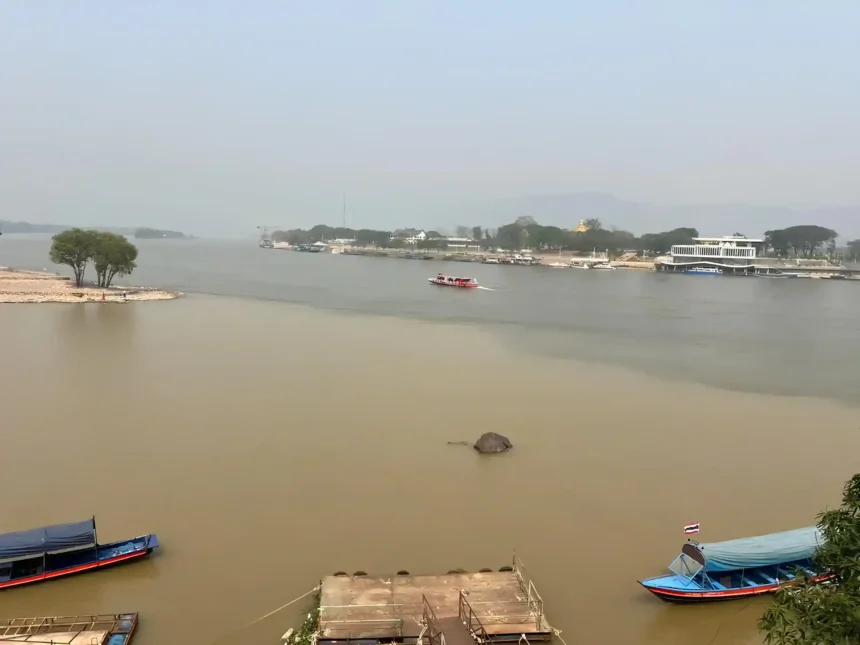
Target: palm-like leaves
x=824, y=614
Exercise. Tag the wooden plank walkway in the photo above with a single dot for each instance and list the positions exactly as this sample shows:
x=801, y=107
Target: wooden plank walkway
x=392, y=607
x=94, y=629
x=455, y=631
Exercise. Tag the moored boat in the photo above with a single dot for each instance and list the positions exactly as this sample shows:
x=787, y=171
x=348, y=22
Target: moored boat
x=450, y=281
x=739, y=568
x=704, y=271
x=61, y=550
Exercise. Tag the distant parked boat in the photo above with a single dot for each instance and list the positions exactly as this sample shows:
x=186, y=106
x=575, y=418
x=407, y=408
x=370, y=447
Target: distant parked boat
x=775, y=275
x=62, y=550
x=704, y=271
x=739, y=568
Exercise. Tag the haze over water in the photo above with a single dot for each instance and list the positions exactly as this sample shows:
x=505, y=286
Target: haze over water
x=289, y=419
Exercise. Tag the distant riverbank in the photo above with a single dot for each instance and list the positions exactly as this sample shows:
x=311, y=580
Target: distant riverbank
x=17, y=286
x=469, y=256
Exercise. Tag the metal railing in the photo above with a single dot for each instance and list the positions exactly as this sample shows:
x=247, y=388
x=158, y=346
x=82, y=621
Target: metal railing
x=434, y=631
x=472, y=622
x=533, y=598
x=18, y=628
x=387, y=621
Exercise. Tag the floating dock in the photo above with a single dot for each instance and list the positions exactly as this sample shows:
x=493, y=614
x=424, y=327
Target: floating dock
x=101, y=629
x=451, y=609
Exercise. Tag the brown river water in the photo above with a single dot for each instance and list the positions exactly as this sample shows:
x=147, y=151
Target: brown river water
x=272, y=440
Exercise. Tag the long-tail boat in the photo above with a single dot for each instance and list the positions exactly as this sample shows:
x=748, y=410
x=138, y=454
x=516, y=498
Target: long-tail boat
x=62, y=550
x=739, y=568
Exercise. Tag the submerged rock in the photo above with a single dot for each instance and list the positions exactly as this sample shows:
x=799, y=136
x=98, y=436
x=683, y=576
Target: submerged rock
x=492, y=442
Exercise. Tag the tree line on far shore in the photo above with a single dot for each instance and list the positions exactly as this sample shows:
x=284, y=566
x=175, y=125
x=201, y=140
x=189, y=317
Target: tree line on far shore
x=805, y=241
x=112, y=255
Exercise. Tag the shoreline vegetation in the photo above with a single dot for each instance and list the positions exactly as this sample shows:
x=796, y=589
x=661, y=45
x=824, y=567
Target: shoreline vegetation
x=545, y=259
x=111, y=255
x=805, y=242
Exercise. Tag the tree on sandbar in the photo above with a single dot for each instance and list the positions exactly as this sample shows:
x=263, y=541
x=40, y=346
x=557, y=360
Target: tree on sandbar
x=73, y=248
x=112, y=255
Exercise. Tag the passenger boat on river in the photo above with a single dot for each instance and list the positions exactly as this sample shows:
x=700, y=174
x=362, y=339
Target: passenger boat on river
x=739, y=568
x=62, y=550
x=448, y=281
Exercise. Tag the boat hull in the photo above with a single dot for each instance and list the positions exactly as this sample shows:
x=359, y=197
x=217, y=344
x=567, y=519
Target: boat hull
x=452, y=284
x=104, y=556
x=698, y=595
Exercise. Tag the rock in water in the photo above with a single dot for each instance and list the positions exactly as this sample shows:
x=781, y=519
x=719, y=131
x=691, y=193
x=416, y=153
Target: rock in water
x=492, y=442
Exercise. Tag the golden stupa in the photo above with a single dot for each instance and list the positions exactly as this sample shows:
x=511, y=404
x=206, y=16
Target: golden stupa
x=582, y=228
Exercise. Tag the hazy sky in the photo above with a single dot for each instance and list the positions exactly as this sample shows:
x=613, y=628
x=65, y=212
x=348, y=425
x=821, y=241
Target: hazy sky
x=219, y=116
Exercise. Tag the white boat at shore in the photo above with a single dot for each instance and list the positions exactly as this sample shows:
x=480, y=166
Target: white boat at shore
x=704, y=271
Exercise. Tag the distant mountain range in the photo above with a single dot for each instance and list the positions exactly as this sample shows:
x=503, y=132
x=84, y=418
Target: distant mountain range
x=566, y=210
x=26, y=227
x=7, y=227
x=11, y=228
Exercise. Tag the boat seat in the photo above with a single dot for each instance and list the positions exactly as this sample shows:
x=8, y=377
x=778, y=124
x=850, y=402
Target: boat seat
x=718, y=585
x=769, y=579
x=785, y=573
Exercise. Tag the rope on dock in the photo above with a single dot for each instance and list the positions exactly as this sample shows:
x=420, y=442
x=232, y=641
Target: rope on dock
x=264, y=617
x=275, y=611
x=557, y=632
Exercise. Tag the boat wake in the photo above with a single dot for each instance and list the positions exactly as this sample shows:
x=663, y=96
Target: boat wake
x=486, y=288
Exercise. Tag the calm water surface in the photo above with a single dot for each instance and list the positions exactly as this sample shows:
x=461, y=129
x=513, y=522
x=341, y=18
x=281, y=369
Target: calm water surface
x=273, y=439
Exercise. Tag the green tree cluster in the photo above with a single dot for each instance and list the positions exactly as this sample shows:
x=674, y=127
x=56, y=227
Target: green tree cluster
x=804, y=241
x=798, y=241
x=807, y=613
x=112, y=255
x=527, y=233
x=157, y=233
x=323, y=233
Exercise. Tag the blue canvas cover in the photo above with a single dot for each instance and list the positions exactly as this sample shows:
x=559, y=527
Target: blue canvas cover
x=761, y=550
x=48, y=539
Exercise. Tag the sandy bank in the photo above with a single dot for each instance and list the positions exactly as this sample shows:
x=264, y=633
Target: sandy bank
x=630, y=264
x=36, y=286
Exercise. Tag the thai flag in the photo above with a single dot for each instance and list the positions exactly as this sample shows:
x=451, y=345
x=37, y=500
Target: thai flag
x=689, y=529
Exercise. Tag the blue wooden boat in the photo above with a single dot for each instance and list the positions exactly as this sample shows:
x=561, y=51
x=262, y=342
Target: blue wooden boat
x=62, y=550
x=739, y=568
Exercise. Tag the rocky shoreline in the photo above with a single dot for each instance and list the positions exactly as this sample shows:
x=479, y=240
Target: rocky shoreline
x=19, y=286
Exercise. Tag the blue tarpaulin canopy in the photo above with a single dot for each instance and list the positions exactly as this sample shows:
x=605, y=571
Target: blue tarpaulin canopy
x=761, y=550
x=48, y=539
